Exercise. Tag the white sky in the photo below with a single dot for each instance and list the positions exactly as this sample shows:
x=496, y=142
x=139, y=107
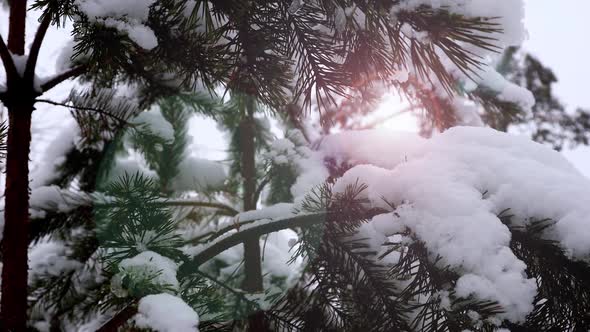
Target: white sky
x=558, y=36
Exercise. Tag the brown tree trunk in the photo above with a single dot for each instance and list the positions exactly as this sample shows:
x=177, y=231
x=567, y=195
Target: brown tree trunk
x=16, y=220
x=252, y=263
x=19, y=101
x=16, y=33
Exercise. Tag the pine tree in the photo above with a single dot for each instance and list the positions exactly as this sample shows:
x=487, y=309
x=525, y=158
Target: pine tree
x=274, y=59
x=551, y=122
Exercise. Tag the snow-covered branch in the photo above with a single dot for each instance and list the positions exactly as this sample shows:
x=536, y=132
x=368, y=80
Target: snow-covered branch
x=249, y=230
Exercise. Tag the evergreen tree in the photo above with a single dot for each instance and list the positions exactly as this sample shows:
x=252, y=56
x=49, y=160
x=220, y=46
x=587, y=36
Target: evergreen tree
x=549, y=122
x=121, y=212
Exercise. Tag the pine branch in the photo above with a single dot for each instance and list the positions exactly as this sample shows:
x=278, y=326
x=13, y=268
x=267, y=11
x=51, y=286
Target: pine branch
x=71, y=73
x=563, y=284
x=227, y=210
x=36, y=47
x=80, y=108
x=247, y=233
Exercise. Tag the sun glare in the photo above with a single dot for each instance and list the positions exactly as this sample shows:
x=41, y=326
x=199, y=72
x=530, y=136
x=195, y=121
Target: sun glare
x=394, y=113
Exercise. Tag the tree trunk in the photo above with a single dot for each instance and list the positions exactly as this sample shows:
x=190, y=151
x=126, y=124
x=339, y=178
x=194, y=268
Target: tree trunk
x=16, y=220
x=19, y=100
x=16, y=33
x=252, y=258
x=252, y=263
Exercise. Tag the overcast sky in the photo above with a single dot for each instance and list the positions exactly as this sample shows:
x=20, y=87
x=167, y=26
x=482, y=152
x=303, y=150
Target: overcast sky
x=558, y=36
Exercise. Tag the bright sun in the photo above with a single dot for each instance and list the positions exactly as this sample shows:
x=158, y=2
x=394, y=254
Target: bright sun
x=393, y=113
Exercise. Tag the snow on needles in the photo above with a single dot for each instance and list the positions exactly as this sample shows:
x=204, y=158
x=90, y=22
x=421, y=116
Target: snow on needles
x=126, y=16
x=153, y=264
x=449, y=191
x=509, y=14
x=166, y=313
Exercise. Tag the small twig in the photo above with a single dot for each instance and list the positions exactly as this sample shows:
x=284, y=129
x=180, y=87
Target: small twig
x=36, y=47
x=80, y=108
x=76, y=71
x=9, y=66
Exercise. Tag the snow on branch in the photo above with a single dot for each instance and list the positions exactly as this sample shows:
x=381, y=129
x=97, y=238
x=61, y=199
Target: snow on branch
x=450, y=192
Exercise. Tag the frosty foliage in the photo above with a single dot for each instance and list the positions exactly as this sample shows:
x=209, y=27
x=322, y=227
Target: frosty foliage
x=50, y=258
x=125, y=16
x=509, y=13
x=148, y=263
x=449, y=192
x=166, y=313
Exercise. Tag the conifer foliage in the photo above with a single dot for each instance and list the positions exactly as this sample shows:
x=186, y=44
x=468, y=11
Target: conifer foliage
x=133, y=229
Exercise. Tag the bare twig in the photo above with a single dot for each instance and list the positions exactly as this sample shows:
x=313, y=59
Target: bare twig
x=76, y=71
x=36, y=47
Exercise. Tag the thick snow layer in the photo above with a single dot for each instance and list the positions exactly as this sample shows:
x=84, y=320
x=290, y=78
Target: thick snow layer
x=150, y=263
x=438, y=187
x=166, y=313
x=126, y=16
x=139, y=33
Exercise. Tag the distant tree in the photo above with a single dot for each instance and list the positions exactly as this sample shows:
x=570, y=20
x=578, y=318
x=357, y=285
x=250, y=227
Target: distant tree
x=550, y=121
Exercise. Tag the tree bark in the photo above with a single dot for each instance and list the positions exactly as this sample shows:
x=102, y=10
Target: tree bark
x=19, y=100
x=252, y=257
x=16, y=216
x=16, y=33
x=252, y=263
